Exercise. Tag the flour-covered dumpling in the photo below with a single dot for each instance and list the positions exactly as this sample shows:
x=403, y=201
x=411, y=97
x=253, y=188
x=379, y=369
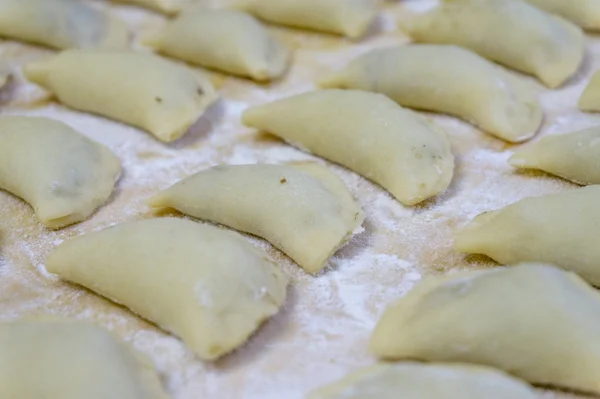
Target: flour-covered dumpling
x=226, y=40
x=62, y=174
x=61, y=24
x=534, y=321
x=590, y=98
x=572, y=156
x=559, y=229
x=71, y=360
x=447, y=79
x=510, y=32
x=302, y=209
x=169, y=7
x=413, y=380
x=140, y=89
x=585, y=13
x=350, y=18
x=367, y=133
x=202, y=283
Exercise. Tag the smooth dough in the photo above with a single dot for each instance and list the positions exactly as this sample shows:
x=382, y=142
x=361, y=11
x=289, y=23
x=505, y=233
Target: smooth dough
x=366, y=132
x=169, y=7
x=62, y=174
x=199, y=282
x=559, y=229
x=302, y=209
x=140, y=89
x=61, y=24
x=447, y=79
x=413, y=380
x=590, y=98
x=351, y=18
x=535, y=321
x=585, y=13
x=535, y=42
x=226, y=40
x=572, y=156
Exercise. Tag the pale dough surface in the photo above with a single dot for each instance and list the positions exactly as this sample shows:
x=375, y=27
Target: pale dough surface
x=323, y=331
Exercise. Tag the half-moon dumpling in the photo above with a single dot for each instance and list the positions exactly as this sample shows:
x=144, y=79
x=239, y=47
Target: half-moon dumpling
x=169, y=7
x=366, y=132
x=61, y=24
x=302, y=209
x=572, y=156
x=140, y=89
x=590, y=98
x=62, y=174
x=202, y=283
x=510, y=32
x=585, y=13
x=227, y=40
x=534, y=321
x=447, y=79
x=413, y=380
x=560, y=229
x=71, y=360
x=350, y=18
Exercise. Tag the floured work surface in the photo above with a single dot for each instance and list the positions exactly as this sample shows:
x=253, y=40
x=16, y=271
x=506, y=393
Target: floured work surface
x=322, y=332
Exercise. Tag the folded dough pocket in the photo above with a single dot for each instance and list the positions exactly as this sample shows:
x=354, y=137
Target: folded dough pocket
x=226, y=40
x=350, y=18
x=140, y=89
x=561, y=229
x=199, y=282
x=302, y=209
x=447, y=79
x=367, y=133
x=585, y=13
x=61, y=24
x=62, y=174
x=510, y=32
x=534, y=321
x=71, y=360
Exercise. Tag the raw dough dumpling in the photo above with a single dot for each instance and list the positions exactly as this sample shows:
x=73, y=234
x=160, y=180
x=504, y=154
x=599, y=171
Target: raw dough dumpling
x=350, y=18
x=202, y=283
x=227, y=40
x=535, y=321
x=62, y=174
x=169, y=7
x=302, y=209
x=367, y=133
x=560, y=229
x=590, y=98
x=572, y=156
x=61, y=24
x=447, y=79
x=71, y=360
x=139, y=89
x=413, y=380
x=510, y=32
x=585, y=13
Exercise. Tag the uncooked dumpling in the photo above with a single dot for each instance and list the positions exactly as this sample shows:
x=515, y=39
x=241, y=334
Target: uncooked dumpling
x=136, y=88
x=447, y=79
x=560, y=229
x=62, y=174
x=535, y=321
x=585, y=13
x=61, y=24
x=165, y=6
x=510, y=32
x=413, y=380
x=590, y=98
x=572, y=156
x=302, y=209
x=199, y=282
x=366, y=132
x=71, y=360
x=226, y=40
x=350, y=18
